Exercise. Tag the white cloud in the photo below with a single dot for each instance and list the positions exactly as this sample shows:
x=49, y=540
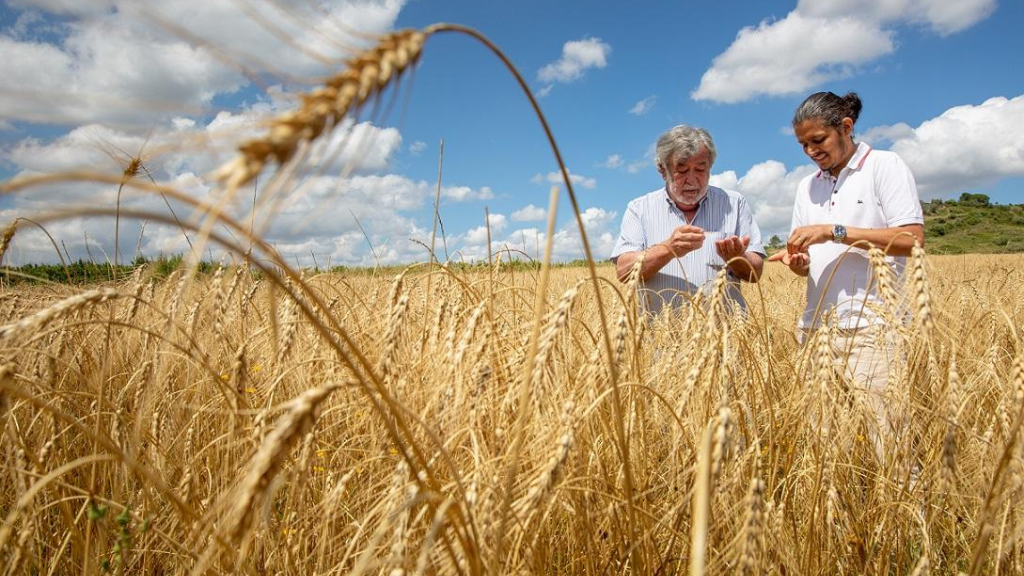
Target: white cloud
x=943, y=16
x=105, y=71
x=790, y=56
x=601, y=226
x=418, y=147
x=879, y=134
x=965, y=147
x=824, y=40
x=613, y=161
x=556, y=178
x=312, y=215
x=577, y=57
x=529, y=213
x=478, y=235
x=466, y=194
x=133, y=64
x=770, y=190
x=644, y=106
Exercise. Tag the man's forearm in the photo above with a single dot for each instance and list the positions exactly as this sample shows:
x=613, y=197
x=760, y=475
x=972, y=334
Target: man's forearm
x=655, y=258
x=747, y=267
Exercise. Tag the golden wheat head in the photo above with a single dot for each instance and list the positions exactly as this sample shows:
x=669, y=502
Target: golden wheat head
x=324, y=107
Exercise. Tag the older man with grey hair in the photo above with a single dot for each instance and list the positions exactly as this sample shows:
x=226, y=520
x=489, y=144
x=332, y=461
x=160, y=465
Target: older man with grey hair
x=688, y=230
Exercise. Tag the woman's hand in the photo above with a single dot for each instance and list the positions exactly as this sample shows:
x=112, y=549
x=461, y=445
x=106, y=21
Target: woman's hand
x=799, y=263
x=805, y=236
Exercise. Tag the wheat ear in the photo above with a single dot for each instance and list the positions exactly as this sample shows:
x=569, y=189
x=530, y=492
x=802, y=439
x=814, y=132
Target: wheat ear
x=323, y=108
x=753, y=524
x=5, y=238
x=67, y=306
x=294, y=424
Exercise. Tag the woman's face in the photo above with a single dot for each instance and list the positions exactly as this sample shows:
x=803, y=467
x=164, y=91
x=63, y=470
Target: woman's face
x=830, y=148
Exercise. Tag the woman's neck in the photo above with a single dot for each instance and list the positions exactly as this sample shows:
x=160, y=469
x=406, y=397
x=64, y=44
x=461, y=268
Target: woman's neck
x=851, y=150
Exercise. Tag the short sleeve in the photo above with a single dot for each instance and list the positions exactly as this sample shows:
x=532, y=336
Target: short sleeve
x=897, y=192
x=802, y=191
x=747, y=226
x=631, y=235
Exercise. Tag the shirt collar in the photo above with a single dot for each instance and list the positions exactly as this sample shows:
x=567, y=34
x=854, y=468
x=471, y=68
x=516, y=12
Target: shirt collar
x=856, y=161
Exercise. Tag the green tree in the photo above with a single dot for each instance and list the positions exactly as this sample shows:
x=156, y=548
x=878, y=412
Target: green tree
x=969, y=199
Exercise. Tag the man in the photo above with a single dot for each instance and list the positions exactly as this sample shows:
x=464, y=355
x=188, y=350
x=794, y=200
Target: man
x=688, y=230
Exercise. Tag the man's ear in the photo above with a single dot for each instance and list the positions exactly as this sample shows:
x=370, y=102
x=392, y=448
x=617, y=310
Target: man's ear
x=661, y=169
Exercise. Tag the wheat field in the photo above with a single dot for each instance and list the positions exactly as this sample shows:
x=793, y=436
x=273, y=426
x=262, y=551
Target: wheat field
x=490, y=421
x=261, y=419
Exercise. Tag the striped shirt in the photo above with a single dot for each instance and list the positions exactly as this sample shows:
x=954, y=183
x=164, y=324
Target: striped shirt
x=651, y=219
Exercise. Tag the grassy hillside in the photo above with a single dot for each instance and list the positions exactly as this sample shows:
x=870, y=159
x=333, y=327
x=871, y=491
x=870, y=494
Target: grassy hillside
x=972, y=225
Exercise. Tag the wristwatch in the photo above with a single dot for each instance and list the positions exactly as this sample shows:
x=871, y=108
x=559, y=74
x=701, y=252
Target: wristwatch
x=838, y=233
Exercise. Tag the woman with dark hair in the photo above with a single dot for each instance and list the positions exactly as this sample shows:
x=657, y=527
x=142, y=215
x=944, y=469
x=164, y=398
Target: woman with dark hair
x=860, y=198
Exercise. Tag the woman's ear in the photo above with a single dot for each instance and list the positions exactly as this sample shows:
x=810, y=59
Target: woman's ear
x=847, y=126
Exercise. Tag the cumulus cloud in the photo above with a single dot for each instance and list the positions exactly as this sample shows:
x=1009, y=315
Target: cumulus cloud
x=556, y=178
x=529, y=213
x=644, y=106
x=323, y=214
x=577, y=57
x=478, y=235
x=824, y=40
x=965, y=147
x=465, y=193
x=942, y=16
x=790, y=56
x=418, y=147
x=132, y=64
x=601, y=227
x=770, y=190
x=134, y=78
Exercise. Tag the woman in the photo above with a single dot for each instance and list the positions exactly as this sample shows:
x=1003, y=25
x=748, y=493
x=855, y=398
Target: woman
x=859, y=198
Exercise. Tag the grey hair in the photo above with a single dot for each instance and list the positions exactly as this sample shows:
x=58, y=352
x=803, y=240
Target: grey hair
x=682, y=142
x=829, y=109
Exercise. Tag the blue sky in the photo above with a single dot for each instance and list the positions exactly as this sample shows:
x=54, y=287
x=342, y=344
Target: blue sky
x=89, y=82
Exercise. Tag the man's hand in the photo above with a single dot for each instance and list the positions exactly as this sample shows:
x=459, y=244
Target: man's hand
x=684, y=239
x=799, y=263
x=732, y=247
x=805, y=236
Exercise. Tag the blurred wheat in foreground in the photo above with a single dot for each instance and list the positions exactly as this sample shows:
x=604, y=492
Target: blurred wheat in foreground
x=447, y=420
x=363, y=424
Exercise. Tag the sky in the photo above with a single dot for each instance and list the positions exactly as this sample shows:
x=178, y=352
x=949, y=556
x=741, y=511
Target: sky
x=89, y=84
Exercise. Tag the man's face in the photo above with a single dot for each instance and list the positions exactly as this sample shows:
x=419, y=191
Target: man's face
x=687, y=179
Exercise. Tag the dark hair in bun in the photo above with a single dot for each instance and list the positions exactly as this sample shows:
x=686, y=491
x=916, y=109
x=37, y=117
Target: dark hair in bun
x=829, y=108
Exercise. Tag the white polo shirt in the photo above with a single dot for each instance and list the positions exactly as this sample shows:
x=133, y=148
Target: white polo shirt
x=874, y=190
